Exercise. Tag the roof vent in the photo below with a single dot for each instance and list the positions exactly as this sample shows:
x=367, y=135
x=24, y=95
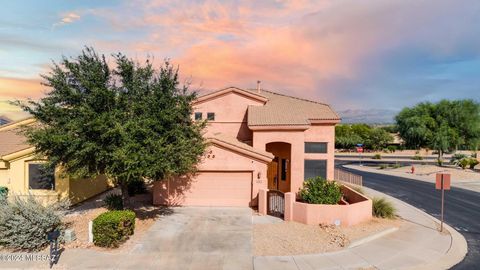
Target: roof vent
x=258, y=86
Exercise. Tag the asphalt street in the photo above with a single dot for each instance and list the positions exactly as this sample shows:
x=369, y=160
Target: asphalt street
x=462, y=207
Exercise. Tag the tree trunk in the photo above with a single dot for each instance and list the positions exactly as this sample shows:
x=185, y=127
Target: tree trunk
x=440, y=157
x=125, y=196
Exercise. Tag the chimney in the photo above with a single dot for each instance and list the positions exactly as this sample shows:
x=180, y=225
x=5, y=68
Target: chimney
x=258, y=86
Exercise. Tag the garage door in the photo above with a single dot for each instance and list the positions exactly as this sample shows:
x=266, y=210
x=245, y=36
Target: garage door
x=220, y=189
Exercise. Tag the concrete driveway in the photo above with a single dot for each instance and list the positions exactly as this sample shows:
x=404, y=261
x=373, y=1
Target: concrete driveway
x=199, y=238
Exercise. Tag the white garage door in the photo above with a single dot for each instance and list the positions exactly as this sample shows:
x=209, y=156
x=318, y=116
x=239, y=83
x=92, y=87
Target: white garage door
x=220, y=189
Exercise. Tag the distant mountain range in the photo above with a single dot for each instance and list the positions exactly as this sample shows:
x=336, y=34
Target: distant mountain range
x=373, y=116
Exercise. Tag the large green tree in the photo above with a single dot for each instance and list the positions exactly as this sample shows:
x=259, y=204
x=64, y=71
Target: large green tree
x=347, y=136
x=443, y=126
x=129, y=122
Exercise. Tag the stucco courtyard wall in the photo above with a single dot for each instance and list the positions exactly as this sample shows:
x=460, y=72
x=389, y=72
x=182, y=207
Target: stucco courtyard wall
x=359, y=210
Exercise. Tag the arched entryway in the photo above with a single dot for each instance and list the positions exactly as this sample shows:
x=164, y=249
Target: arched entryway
x=279, y=176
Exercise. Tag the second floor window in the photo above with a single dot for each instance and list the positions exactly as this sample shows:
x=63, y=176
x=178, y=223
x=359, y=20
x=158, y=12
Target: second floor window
x=198, y=116
x=316, y=147
x=211, y=116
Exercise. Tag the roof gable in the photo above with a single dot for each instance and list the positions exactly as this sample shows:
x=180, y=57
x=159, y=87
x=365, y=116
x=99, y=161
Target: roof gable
x=235, y=145
x=222, y=92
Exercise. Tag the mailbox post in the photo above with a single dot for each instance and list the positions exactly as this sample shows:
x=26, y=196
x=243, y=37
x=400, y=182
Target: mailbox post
x=443, y=183
x=53, y=238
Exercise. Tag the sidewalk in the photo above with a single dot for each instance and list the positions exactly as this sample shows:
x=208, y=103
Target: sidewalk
x=418, y=245
x=465, y=184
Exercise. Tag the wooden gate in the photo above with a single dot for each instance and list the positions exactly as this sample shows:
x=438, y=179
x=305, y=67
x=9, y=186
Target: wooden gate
x=275, y=203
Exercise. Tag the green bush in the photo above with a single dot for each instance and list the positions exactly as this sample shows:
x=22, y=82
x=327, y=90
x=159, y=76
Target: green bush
x=320, y=191
x=383, y=166
x=473, y=162
x=377, y=156
x=383, y=208
x=112, y=228
x=113, y=202
x=136, y=187
x=392, y=148
x=456, y=159
x=440, y=162
x=417, y=157
x=396, y=166
x=3, y=194
x=25, y=223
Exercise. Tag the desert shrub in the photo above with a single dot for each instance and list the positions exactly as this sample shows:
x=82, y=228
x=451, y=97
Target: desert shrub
x=383, y=166
x=377, y=156
x=417, y=157
x=440, y=162
x=383, y=208
x=3, y=194
x=136, y=187
x=455, y=159
x=113, y=202
x=320, y=191
x=112, y=228
x=473, y=162
x=25, y=223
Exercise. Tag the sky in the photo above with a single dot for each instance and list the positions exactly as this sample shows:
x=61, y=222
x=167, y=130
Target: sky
x=355, y=55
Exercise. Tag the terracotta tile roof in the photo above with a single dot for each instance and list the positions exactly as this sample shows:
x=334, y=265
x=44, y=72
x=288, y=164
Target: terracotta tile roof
x=236, y=143
x=11, y=141
x=286, y=110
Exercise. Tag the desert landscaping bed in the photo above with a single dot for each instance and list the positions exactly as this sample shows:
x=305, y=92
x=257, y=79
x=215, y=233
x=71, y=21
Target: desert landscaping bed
x=146, y=217
x=292, y=238
x=429, y=171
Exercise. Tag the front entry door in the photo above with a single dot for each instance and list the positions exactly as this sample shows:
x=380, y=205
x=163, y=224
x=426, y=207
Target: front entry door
x=272, y=175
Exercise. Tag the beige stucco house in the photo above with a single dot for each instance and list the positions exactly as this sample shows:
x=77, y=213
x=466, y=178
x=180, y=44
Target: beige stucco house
x=259, y=140
x=21, y=171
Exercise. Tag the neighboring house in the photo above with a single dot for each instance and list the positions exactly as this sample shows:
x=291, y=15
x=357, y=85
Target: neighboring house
x=4, y=120
x=258, y=140
x=21, y=171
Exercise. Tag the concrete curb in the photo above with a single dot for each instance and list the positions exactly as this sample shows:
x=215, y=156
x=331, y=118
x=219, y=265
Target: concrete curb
x=458, y=247
x=372, y=237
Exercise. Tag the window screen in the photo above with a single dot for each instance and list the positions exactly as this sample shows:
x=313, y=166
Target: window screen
x=315, y=168
x=40, y=177
x=211, y=116
x=315, y=147
x=198, y=116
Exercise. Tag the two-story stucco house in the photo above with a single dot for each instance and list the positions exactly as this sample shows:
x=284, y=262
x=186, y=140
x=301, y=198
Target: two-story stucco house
x=259, y=140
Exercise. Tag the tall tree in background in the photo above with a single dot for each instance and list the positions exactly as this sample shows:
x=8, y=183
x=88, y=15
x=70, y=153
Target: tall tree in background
x=348, y=136
x=129, y=122
x=443, y=126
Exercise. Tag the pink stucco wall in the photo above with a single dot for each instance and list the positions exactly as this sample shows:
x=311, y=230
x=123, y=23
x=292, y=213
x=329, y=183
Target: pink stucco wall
x=230, y=114
x=296, y=140
x=360, y=210
x=222, y=179
x=323, y=133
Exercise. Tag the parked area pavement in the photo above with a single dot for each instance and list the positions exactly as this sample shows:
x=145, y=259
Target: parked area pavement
x=419, y=245
x=472, y=184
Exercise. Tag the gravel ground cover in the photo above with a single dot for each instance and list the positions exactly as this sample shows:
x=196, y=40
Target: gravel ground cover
x=292, y=238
